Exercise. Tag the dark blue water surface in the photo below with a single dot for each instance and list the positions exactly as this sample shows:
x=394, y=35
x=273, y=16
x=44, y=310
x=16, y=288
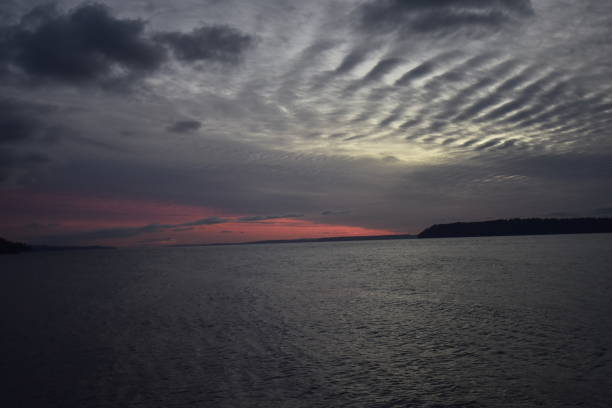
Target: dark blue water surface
x=474, y=322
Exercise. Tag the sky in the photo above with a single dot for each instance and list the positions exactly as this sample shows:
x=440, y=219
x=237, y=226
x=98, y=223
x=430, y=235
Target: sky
x=148, y=122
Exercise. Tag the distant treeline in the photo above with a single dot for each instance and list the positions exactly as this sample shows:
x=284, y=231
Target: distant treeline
x=528, y=226
x=8, y=247
x=338, y=239
x=307, y=240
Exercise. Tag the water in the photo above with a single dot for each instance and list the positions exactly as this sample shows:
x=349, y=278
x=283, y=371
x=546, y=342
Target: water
x=478, y=322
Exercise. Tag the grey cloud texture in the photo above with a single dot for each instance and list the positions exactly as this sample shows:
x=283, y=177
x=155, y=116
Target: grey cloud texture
x=22, y=128
x=184, y=126
x=88, y=44
x=213, y=43
x=405, y=112
x=14, y=161
x=18, y=121
x=256, y=218
x=335, y=212
x=423, y=16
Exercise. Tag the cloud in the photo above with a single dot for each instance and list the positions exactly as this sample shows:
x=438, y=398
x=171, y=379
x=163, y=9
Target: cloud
x=602, y=212
x=12, y=162
x=184, y=126
x=351, y=61
x=381, y=68
x=19, y=121
x=111, y=233
x=377, y=72
x=570, y=167
x=21, y=126
x=256, y=218
x=106, y=233
x=334, y=212
x=128, y=232
x=441, y=16
x=420, y=71
x=282, y=135
x=153, y=241
x=203, y=221
x=88, y=44
x=208, y=43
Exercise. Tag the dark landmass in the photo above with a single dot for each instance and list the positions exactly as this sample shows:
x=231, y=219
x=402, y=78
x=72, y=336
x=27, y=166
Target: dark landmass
x=67, y=248
x=293, y=241
x=338, y=239
x=8, y=247
x=529, y=226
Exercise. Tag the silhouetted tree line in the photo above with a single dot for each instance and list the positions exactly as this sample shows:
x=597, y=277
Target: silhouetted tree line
x=529, y=226
x=8, y=247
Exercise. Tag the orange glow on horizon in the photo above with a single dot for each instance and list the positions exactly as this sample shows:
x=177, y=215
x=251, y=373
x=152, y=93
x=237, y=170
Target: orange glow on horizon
x=55, y=215
x=236, y=232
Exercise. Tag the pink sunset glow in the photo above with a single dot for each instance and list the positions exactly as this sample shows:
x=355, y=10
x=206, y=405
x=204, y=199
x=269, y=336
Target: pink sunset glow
x=44, y=215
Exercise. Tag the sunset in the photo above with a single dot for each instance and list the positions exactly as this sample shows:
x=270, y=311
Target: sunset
x=324, y=203
x=365, y=116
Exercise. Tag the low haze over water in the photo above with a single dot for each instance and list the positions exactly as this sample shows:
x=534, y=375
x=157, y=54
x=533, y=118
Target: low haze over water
x=466, y=322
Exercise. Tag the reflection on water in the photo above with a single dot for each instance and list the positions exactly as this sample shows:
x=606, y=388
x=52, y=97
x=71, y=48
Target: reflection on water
x=479, y=322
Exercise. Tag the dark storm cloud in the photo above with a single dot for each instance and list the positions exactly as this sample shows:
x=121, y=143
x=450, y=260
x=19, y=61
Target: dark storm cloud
x=184, y=126
x=84, y=45
x=208, y=43
x=88, y=44
x=427, y=16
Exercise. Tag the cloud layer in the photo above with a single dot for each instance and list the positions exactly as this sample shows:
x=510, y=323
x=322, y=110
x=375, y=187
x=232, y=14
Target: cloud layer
x=89, y=44
x=442, y=16
x=380, y=114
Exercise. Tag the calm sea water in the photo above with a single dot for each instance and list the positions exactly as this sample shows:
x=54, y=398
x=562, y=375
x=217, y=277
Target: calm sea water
x=478, y=322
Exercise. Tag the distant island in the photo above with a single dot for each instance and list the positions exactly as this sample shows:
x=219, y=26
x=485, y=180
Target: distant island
x=69, y=248
x=8, y=247
x=529, y=226
x=504, y=227
x=303, y=240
